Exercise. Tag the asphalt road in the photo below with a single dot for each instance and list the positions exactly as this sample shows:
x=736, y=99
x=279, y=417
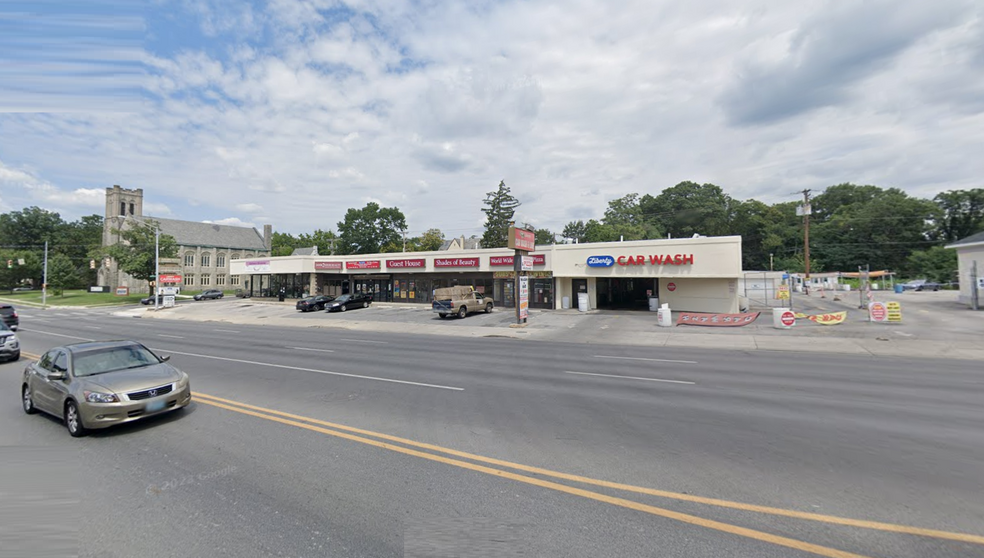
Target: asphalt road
x=312, y=442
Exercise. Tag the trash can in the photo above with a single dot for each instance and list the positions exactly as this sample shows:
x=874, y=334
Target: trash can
x=898, y=288
x=582, y=302
x=783, y=318
x=653, y=304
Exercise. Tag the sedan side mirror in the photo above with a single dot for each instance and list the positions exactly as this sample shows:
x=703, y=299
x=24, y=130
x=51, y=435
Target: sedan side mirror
x=165, y=358
x=57, y=375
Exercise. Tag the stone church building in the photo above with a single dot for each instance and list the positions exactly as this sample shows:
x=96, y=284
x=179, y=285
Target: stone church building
x=205, y=250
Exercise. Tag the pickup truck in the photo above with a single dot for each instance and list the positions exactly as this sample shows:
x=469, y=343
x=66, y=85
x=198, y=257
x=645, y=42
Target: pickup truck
x=460, y=301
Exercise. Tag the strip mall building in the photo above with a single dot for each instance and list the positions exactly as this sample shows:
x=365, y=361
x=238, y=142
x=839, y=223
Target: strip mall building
x=691, y=275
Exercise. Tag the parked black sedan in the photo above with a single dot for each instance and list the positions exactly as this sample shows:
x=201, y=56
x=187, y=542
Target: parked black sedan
x=346, y=301
x=313, y=303
x=209, y=294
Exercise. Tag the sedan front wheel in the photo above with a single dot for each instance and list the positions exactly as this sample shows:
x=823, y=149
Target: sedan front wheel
x=73, y=421
x=28, y=401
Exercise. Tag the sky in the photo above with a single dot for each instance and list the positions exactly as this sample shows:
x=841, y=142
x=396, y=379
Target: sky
x=289, y=112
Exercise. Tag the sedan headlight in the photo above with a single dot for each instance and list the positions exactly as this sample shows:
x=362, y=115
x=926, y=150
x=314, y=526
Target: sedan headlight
x=183, y=382
x=98, y=397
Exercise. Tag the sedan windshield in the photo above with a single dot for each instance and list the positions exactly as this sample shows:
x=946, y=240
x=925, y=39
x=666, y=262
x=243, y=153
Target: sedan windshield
x=110, y=359
x=343, y=298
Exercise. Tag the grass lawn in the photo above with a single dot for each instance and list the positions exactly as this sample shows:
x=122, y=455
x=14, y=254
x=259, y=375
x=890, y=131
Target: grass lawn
x=81, y=297
x=70, y=298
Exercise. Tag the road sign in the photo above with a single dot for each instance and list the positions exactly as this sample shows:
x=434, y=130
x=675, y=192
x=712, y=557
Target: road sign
x=526, y=263
x=877, y=312
x=524, y=297
x=783, y=292
x=893, y=311
x=671, y=287
x=788, y=319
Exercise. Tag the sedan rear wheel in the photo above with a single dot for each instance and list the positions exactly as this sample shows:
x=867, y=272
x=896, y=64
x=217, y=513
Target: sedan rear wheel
x=73, y=421
x=28, y=401
x=365, y=304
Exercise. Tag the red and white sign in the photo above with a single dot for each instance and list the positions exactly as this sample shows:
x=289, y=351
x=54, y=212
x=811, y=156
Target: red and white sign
x=671, y=287
x=521, y=239
x=496, y=261
x=169, y=278
x=716, y=320
x=877, y=311
x=403, y=264
x=455, y=262
x=788, y=319
x=656, y=259
x=328, y=265
x=364, y=264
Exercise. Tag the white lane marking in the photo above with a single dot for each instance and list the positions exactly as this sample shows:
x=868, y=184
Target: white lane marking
x=365, y=341
x=437, y=386
x=91, y=327
x=171, y=336
x=55, y=334
x=648, y=359
x=316, y=350
x=227, y=330
x=630, y=377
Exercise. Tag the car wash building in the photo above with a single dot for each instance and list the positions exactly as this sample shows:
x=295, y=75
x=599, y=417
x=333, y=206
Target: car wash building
x=691, y=274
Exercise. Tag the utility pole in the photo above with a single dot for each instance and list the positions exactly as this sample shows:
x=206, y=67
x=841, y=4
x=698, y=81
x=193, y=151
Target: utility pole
x=770, y=261
x=44, y=280
x=974, y=294
x=806, y=210
x=404, y=240
x=157, y=265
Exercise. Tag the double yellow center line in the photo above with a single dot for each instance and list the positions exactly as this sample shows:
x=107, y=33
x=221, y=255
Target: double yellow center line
x=475, y=463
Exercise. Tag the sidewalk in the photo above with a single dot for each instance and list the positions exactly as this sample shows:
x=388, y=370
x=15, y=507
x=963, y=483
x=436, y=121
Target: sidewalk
x=595, y=327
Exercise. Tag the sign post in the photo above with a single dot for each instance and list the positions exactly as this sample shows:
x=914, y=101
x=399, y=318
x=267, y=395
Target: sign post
x=523, y=242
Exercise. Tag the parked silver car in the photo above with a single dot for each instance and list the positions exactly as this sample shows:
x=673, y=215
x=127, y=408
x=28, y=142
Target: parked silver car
x=102, y=383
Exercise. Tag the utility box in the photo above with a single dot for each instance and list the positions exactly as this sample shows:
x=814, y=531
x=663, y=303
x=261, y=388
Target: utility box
x=565, y=302
x=653, y=304
x=664, y=317
x=783, y=318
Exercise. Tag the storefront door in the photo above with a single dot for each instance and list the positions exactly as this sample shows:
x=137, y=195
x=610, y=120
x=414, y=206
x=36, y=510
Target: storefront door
x=578, y=286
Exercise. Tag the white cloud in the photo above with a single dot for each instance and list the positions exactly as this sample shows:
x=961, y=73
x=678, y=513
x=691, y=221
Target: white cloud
x=305, y=108
x=156, y=209
x=233, y=221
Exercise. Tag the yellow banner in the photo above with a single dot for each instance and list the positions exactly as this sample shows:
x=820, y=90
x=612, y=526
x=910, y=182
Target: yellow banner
x=829, y=319
x=801, y=316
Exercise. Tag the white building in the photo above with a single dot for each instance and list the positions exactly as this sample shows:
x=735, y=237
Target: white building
x=970, y=265
x=690, y=274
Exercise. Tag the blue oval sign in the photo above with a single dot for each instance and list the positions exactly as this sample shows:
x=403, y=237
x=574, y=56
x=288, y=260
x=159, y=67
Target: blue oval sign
x=601, y=261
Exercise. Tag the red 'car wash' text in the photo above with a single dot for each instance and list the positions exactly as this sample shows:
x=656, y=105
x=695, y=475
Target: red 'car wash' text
x=676, y=259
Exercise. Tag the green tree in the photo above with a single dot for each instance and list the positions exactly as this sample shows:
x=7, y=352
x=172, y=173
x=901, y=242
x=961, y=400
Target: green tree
x=324, y=240
x=688, y=209
x=283, y=244
x=544, y=236
x=960, y=214
x=595, y=231
x=500, y=207
x=30, y=227
x=135, y=253
x=81, y=241
x=576, y=230
x=761, y=228
x=936, y=264
x=429, y=241
x=625, y=221
x=369, y=229
x=62, y=274
x=871, y=226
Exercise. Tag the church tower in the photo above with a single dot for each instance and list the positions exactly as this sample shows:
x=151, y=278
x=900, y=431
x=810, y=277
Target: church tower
x=121, y=204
